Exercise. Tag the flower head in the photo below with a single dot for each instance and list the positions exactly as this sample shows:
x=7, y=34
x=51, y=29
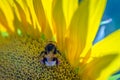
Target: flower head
x=27, y=25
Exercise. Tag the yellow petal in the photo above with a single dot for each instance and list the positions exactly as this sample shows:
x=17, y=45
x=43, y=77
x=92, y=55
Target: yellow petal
x=33, y=19
x=40, y=13
x=47, y=5
x=59, y=23
x=2, y=28
x=109, y=45
x=69, y=7
x=25, y=15
x=6, y=16
x=92, y=70
x=24, y=23
x=76, y=36
x=96, y=10
x=112, y=68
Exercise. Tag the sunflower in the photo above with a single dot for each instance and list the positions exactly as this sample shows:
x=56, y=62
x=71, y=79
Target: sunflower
x=26, y=27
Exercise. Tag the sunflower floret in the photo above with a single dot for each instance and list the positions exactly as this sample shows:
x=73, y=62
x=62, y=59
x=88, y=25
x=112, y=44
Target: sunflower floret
x=19, y=59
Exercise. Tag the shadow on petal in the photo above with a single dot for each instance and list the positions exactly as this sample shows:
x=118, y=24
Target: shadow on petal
x=92, y=70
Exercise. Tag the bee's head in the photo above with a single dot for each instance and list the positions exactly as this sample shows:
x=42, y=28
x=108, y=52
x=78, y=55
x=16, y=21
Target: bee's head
x=50, y=47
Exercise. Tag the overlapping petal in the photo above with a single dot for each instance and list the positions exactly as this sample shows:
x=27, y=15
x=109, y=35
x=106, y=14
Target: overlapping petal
x=83, y=28
x=59, y=23
x=69, y=7
x=109, y=45
x=92, y=70
x=96, y=10
x=47, y=5
x=40, y=13
x=6, y=21
x=77, y=31
x=105, y=59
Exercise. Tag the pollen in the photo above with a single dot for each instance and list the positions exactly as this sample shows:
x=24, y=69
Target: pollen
x=19, y=60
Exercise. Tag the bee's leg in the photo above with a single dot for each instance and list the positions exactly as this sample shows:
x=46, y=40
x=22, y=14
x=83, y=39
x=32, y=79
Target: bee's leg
x=44, y=60
x=55, y=59
x=58, y=52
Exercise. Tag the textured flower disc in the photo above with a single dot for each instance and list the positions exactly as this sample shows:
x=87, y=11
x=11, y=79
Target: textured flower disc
x=19, y=60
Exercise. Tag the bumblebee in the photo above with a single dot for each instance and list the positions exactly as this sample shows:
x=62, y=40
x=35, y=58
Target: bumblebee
x=49, y=57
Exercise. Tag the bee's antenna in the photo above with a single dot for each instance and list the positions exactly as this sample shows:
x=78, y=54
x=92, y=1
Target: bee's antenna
x=43, y=52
